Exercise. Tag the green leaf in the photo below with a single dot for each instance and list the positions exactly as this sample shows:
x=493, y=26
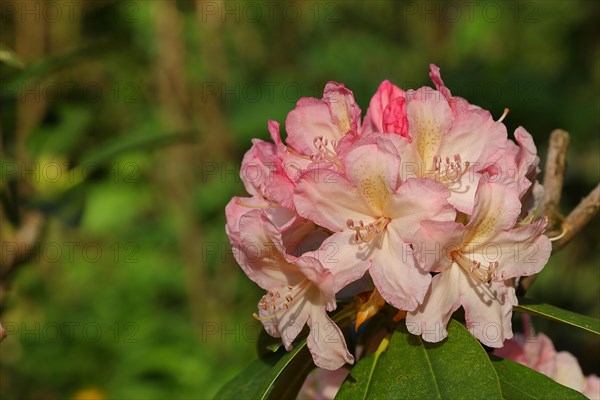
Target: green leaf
x=521, y=383
x=283, y=379
x=364, y=369
x=277, y=375
x=411, y=368
x=247, y=384
x=287, y=376
x=547, y=311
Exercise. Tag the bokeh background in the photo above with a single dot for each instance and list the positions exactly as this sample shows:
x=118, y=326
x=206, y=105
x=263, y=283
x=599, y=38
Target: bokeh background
x=123, y=126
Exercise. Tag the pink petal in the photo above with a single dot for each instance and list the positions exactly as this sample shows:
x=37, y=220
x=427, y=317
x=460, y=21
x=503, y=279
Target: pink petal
x=592, y=387
x=434, y=242
x=540, y=354
x=568, y=372
x=396, y=275
x=511, y=350
x=374, y=170
x=436, y=78
x=496, y=209
x=458, y=104
x=527, y=159
x=282, y=322
x=488, y=309
x=322, y=384
x=443, y=298
x=521, y=251
x=257, y=165
x=303, y=236
x=417, y=200
x=332, y=118
x=429, y=119
x=273, y=127
x=234, y=211
x=394, y=117
x=329, y=199
x=462, y=191
x=261, y=252
x=386, y=93
x=475, y=136
x=345, y=112
x=343, y=258
x=326, y=341
x=310, y=118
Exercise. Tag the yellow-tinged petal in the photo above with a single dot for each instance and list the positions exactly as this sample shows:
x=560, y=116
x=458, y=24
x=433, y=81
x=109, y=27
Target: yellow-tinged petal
x=370, y=308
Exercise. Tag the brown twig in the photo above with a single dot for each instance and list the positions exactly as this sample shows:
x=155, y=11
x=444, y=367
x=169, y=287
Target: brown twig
x=22, y=244
x=578, y=218
x=27, y=236
x=564, y=229
x=554, y=176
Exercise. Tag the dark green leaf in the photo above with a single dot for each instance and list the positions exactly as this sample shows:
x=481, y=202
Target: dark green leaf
x=364, y=370
x=285, y=379
x=246, y=385
x=521, y=383
x=411, y=368
x=282, y=380
x=539, y=309
x=277, y=375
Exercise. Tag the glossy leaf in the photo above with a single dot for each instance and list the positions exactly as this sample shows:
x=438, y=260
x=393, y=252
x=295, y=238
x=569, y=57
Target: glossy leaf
x=411, y=368
x=363, y=369
x=521, y=383
x=276, y=375
x=246, y=385
x=539, y=309
x=284, y=380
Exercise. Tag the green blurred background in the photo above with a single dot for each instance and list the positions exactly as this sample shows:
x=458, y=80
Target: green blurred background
x=123, y=126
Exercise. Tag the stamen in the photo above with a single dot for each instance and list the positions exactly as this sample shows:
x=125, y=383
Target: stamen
x=325, y=150
x=241, y=203
x=474, y=268
x=450, y=171
x=279, y=305
x=366, y=233
x=506, y=110
x=563, y=232
x=298, y=154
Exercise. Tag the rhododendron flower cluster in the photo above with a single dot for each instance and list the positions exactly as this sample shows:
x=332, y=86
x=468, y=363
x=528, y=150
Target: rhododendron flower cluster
x=426, y=198
x=537, y=352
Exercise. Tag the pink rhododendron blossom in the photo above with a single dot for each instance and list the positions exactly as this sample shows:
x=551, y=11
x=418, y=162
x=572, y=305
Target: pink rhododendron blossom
x=322, y=384
x=457, y=104
x=427, y=199
x=316, y=127
x=517, y=163
x=374, y=216
x=300, y=290
x=476, y=264
x=387, y=111
x=449, y=148
x=270, y=170
x=537, y=352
